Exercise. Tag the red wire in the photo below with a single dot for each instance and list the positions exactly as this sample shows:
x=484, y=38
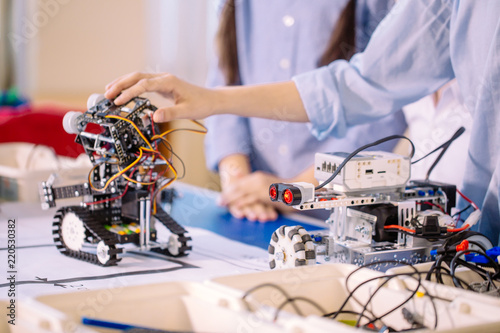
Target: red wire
x=114, y=198
x=432, y=204
x=110, y=199
x=152, y=124
x=394, y=226
x=467, y=199
x=459, y=229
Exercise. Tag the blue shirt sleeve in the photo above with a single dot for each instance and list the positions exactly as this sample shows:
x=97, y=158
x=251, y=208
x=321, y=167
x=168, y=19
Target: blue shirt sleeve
x=406, y=59
x=369, y=14
x=227, y=134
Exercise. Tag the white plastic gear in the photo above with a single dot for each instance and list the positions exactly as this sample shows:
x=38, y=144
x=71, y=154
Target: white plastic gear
x=94, y=99
x=70, y=122
x=72, y=231
x=103, y=253
x=309, y=246
x=287, y=252
x=174, y=244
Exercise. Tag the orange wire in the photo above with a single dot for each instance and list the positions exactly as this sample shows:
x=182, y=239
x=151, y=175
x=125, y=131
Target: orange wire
x=459, y=229
x=141, y=150
x=394, y=226
x=204, y=131
x=115, y=175
x=134, y=125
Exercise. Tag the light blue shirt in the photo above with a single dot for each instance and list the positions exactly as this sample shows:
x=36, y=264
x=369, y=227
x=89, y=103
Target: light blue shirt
x=276, y=40
x=418, y=47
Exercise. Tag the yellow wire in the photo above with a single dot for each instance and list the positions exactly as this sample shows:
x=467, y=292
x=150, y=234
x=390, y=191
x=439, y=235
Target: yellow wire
x=136, y=181
x=148, y=183
x=118, y=174
x=167, y=184
x=204, y=131
x=141, y=150
x=135, y=126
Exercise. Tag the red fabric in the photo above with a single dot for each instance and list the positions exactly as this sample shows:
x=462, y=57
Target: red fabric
x=39, y=125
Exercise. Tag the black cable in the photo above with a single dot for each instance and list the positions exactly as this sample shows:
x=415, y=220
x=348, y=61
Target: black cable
x=351, y=293
x=437, y=265
x=298, y=298
x=447, y=272
x=336, y=313
x=479, y=245
x=388, y=277
x=377, y=290
x=171, y=150
x=431, y=297
x=448, y=255
x=445, y=148
x=453, y=138
x=463, y=210
x=354, y=153
x=462, y=281
x=492, y=283
x=271, y=285
x=341, y=310
x=453, y=264
x=473, y=267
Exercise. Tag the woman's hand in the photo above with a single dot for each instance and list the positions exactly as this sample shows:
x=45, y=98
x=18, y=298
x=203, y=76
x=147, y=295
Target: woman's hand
x=257, y=211
x=273, y=101
x=235, y=170
x=190, y=101
x=249, y=189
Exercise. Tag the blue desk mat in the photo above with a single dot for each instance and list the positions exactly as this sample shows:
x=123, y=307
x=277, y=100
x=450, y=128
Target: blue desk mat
x=194, y=210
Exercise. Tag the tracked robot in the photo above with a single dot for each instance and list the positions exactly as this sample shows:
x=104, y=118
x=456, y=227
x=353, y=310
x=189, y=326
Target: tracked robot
x=376, y=213
x=118, y=201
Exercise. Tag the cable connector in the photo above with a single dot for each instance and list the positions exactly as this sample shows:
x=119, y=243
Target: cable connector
x=493, y=253
x=431, y=227
x=473, y=218
x=413, y=318
x=463, y=246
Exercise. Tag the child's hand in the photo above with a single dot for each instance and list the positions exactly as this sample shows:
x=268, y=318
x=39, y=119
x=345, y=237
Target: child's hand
x=190, y=101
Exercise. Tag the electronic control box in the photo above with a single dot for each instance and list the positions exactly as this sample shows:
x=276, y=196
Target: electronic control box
x=367, y=172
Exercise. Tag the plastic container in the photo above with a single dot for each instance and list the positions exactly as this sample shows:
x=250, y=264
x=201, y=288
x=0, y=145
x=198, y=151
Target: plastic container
x=23, y=166
x=175, y=306
x=465, y=274
x=459, y=311
x=218, y=305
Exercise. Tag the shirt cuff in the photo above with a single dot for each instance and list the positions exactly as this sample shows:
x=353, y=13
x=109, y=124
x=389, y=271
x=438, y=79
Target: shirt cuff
x=321, y=100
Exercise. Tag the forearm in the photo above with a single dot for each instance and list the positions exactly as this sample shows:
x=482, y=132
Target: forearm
x=279, y=101
x=233, y=167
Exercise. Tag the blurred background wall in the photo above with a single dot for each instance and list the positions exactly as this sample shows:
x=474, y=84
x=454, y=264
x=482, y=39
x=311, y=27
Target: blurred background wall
x=65, y=50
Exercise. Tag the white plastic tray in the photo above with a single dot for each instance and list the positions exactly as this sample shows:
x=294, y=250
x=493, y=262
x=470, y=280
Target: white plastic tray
x=217, y=305
x=459, y=311
x=23, y=166
x=175, y=306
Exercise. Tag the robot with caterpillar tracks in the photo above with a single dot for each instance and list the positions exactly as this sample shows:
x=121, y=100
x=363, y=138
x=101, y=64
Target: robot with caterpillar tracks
x=376, y=213
x=118, y=201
